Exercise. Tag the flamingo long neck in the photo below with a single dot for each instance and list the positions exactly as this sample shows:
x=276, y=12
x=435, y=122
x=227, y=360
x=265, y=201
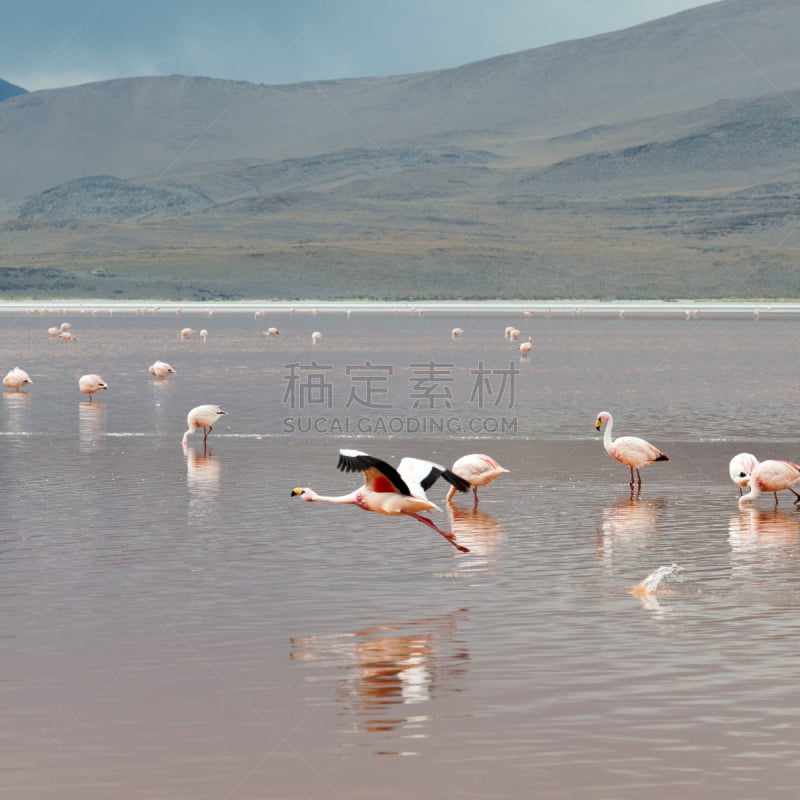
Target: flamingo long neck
x=607, y=440
x=754, y=492
x=344, y=499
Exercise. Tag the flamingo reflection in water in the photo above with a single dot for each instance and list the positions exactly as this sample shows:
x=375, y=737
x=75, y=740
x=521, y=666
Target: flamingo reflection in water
x=388, y=666
x=757, y=535
x=202, y=481
x=477, y=530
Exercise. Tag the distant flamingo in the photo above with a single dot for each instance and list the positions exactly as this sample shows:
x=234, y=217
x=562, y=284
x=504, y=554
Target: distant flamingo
x=526, y=347
x=456, y=333
x=67, y=336
x=514, y=334
x=316, y=337
x=477, y=469
x=53, y=331
x=772, y=476
x=201, y=417
x=204, y=334
x=509, y=328
x=629, y=450
x=16, y=378
x=391, y=491
x=160, y=369
x=186, y=333
x=741, y=468
x=271, y=332
x=89, y=384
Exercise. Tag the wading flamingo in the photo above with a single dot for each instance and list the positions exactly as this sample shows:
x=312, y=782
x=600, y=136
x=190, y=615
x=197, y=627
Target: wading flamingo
x=186, y=332
x=772, y=476
x=526, y=347
x=204, y=334
x=456, y=333
x=477, y=469
x=741, y=468
x=316, y=337
x=201, y=417
x=629, y=450
x=271, y=332
x=89, y=384
x=160, y=369
x=16, y=378
x=391, y=491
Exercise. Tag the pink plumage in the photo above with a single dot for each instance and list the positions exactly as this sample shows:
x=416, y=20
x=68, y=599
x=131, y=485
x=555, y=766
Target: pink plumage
x=772, y=476
x=631, y=451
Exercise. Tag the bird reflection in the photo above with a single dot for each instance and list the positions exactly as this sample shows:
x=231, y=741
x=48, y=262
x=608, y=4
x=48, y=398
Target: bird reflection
x=15, y=404
x=477, y=530
x=91, y=425
x=757, y=535
x=628, y=524
x=202, y=480
x=388, y=666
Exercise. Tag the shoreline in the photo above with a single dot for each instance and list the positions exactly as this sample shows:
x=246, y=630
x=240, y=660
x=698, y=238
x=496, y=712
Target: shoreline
x=577, y=307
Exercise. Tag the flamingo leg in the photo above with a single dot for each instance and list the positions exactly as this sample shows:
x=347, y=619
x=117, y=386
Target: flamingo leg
x=776, y=497
x=796, y=502
x=206, y=432
x=449, y=536
x=631, y=483
x=475, y=494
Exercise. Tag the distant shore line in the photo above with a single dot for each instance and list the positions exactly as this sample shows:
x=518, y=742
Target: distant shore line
x=685, y=308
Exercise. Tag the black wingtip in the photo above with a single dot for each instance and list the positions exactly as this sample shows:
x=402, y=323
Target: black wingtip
x=455, y=480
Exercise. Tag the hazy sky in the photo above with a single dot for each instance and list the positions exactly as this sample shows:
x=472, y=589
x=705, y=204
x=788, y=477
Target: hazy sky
x=51, y=43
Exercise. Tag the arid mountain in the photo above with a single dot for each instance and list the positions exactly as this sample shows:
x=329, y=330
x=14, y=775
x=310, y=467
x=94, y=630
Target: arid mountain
x=659, y=161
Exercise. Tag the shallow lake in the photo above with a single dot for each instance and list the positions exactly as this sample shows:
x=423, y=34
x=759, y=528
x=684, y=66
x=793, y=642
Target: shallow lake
x=176, y=625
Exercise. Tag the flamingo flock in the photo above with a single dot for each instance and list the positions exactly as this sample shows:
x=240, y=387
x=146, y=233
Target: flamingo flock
x=401, y=491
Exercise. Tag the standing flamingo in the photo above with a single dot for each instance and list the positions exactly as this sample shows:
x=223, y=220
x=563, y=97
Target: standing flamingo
x=741, y=468
x=629, y=450
x=477, y=469
x=160, y=369
x=201, y=417
x=316, y=337
x=391, y=491
x=772, y=476
x=16, y=378
x=526, y=347
x=89, y=384
x=456, y=333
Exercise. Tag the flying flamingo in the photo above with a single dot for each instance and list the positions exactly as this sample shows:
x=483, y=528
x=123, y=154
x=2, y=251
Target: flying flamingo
x=391, y=491
x=89, y=384
x=201, y=417
x=477, y=469
x=160, y=369
x=526, y=347
x=628, y=450
x=772, y=476
x=741, y=468
x=16, y=378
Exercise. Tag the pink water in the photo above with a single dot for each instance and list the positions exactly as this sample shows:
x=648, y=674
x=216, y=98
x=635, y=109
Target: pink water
x=175, y=625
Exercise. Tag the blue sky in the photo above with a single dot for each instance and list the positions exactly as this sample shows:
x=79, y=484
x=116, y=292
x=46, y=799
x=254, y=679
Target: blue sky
x=52, y=43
